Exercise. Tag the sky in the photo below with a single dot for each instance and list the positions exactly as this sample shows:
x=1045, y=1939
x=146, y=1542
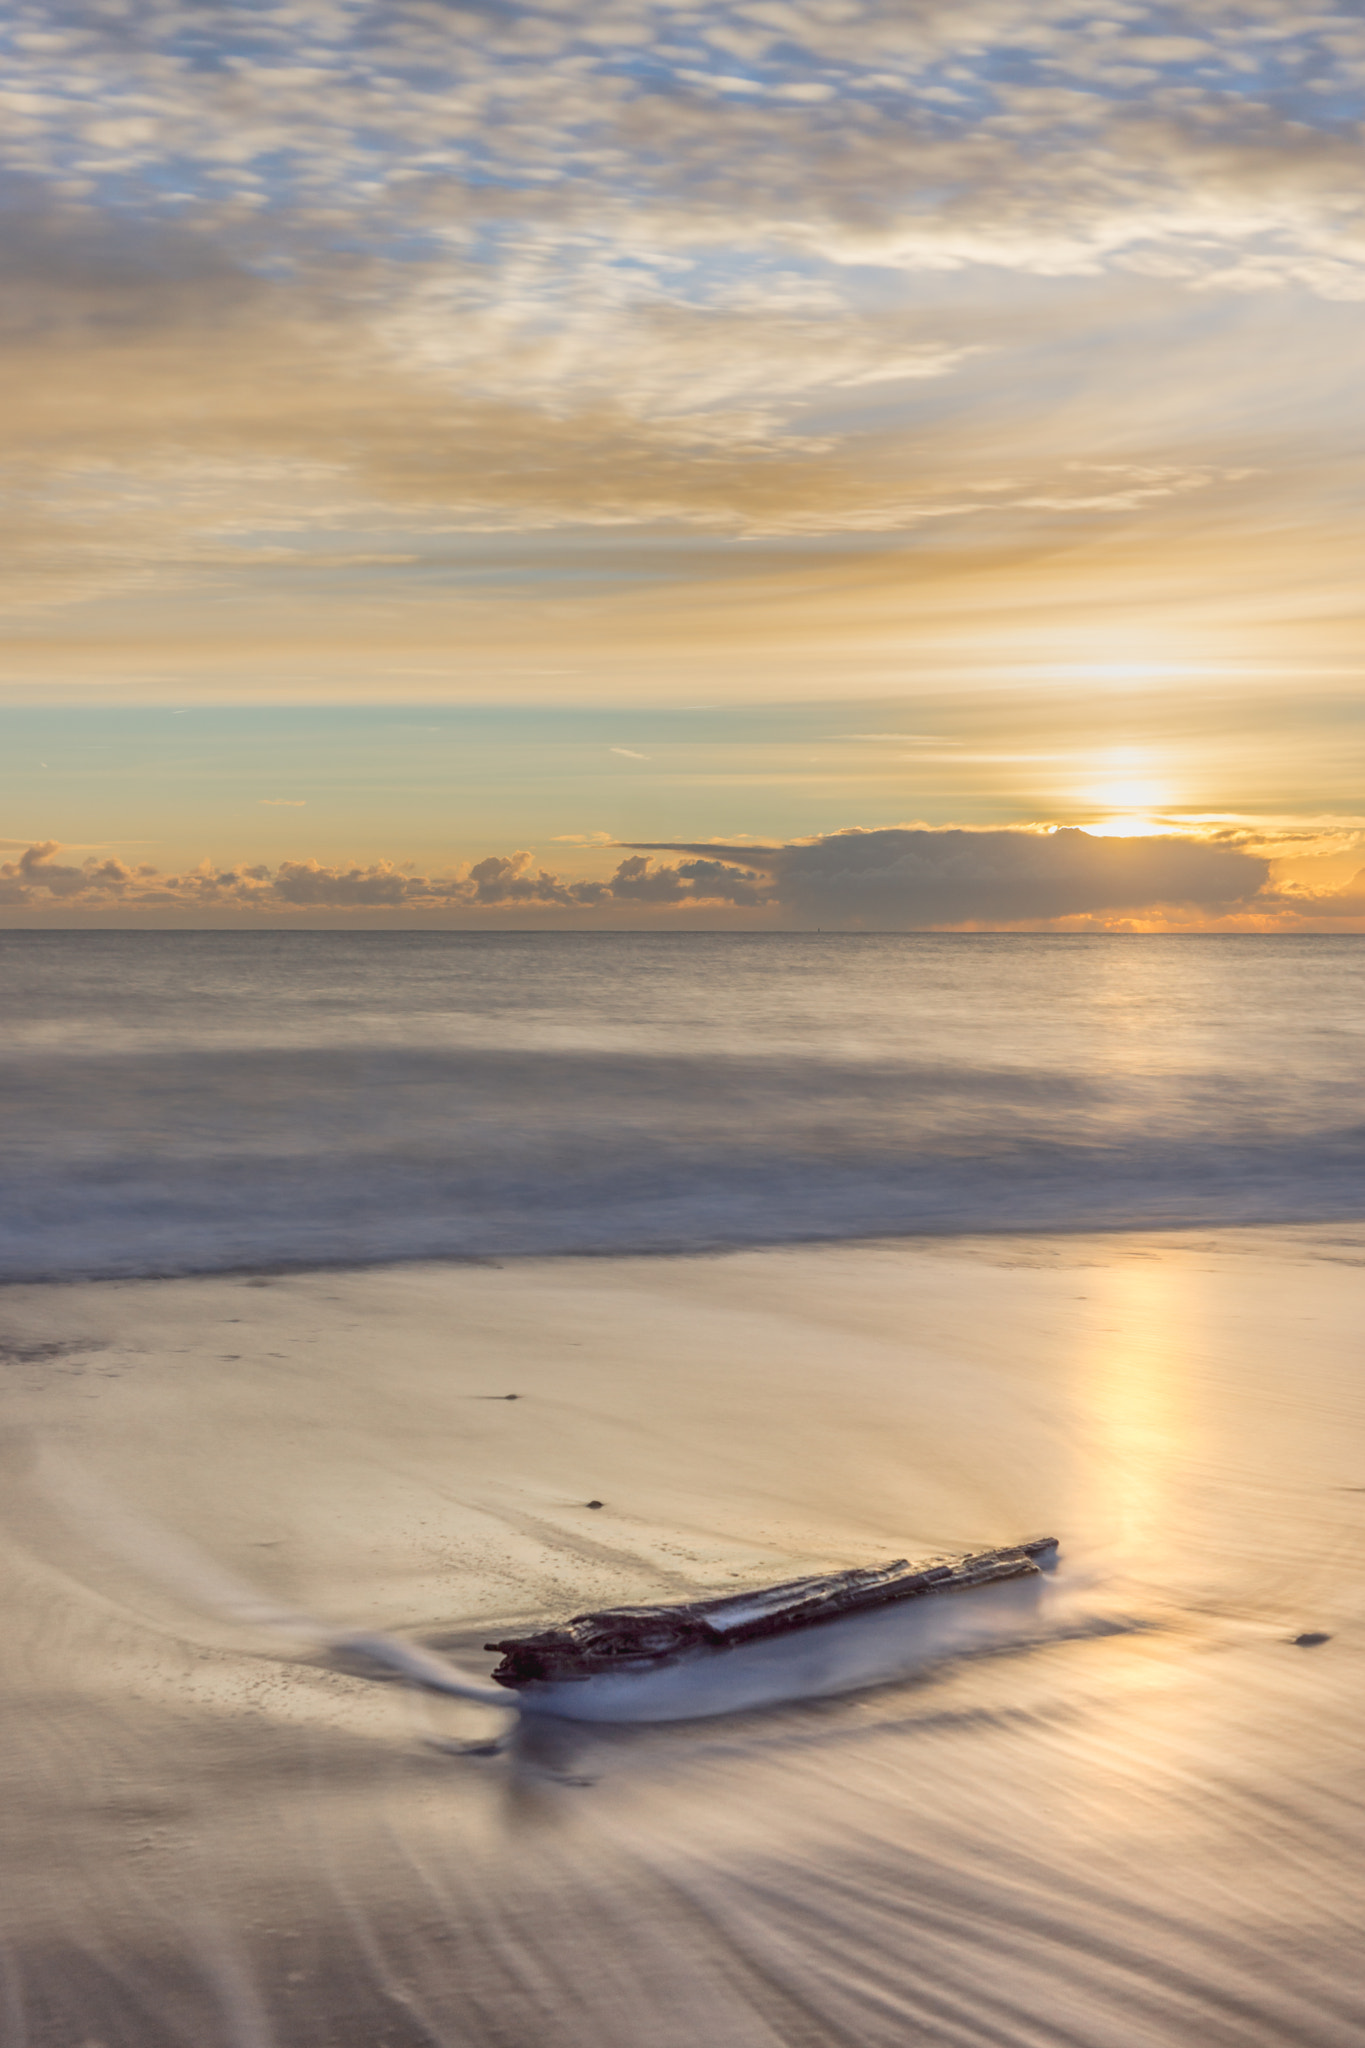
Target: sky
x=885, y=464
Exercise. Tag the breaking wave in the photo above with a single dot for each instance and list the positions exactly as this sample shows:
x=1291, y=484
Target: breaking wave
x=199, y=1102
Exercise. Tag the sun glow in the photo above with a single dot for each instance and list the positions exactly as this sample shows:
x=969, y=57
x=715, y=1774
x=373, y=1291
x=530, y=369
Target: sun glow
x=1132, y=825
x=1138, y=793
x=1127, y=793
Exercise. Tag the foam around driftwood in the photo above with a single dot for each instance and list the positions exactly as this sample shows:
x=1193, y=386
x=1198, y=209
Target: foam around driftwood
x=623, y=1639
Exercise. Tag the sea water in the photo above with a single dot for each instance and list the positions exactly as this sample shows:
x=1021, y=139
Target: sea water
x=193, y=1101
x=1121, y=1807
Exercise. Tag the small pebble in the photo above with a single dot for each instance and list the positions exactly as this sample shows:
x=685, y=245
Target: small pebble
x=1310, y=1639
x=594, y=1503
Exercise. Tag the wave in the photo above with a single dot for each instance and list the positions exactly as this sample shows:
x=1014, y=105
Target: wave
x=209, y=1160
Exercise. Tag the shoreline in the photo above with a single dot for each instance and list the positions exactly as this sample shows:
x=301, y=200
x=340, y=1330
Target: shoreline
x=946, y=1237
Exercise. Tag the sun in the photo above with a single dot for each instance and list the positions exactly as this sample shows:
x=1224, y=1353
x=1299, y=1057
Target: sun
x=1127, y=791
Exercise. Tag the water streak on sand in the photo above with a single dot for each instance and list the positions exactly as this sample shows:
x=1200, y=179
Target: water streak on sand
x=1135, y=1815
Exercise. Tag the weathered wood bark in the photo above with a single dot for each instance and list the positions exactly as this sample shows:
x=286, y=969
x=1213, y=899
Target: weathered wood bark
x=642, y=1638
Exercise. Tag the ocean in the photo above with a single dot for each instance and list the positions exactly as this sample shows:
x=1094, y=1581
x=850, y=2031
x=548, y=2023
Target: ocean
x=420, y=1290
x=194, y=1101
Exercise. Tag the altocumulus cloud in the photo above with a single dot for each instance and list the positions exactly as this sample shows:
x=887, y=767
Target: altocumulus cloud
x=604, y=263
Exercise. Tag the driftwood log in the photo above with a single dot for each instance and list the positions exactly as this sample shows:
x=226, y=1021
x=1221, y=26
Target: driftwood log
x=643, y=1638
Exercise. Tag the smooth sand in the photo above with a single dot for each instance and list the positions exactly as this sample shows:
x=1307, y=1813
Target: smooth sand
x=1139, y=1818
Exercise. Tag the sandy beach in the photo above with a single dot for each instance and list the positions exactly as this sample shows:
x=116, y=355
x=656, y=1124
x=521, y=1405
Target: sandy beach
x=1131, y=1813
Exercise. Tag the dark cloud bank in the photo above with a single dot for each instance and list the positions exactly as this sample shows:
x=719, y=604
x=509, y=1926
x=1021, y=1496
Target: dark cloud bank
x=918, y=877
x=900, y=879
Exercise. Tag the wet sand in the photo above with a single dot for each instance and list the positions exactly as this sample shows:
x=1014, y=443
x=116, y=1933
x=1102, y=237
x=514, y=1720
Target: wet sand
x=1135, y=1814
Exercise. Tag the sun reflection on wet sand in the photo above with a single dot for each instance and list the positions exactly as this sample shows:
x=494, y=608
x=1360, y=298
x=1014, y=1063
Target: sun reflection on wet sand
x=1136, y=1396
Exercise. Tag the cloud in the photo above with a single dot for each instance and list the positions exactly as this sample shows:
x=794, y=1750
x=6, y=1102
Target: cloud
x=803, y=345
x=903, y=878
x=1013, y=132
x=395, y=274
x=37, y=871
x=916, y=878
x=1321, y=909
x=499, y=883
x=508, y=880
x=710, y=881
